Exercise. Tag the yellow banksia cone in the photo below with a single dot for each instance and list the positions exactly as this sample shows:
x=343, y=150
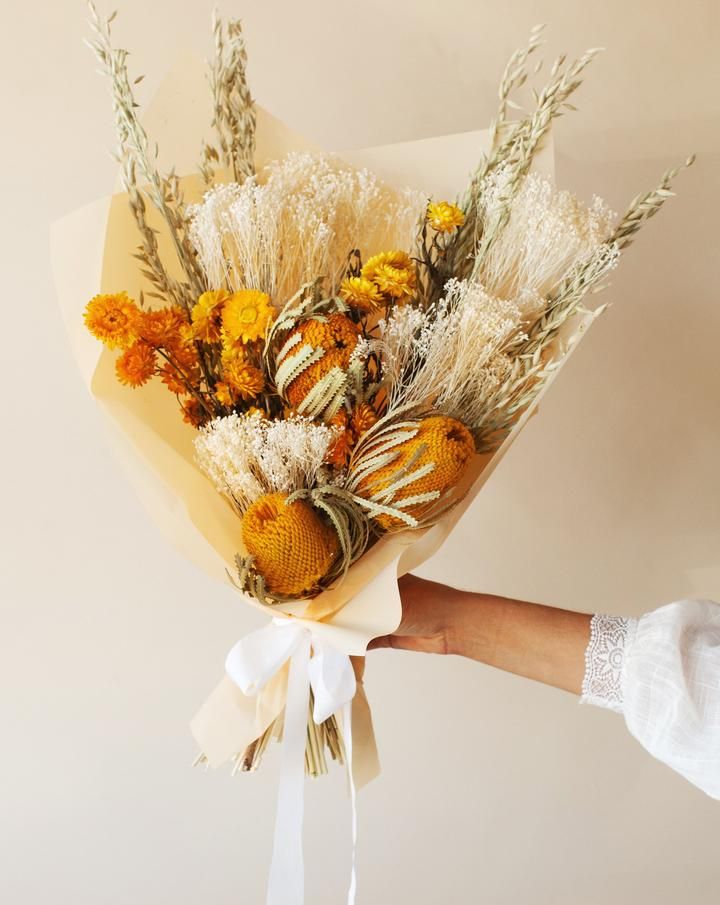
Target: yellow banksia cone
x=292, y=545
x=338, y=336
x=449, y=445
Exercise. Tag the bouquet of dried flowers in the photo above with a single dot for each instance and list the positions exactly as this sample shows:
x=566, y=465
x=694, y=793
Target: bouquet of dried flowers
x=346, y=352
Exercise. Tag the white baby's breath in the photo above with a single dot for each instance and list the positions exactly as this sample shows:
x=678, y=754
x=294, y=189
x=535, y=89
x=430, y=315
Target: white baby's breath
x=246, y=456
x=450, y=356
x=299, y=220
x=548, y=232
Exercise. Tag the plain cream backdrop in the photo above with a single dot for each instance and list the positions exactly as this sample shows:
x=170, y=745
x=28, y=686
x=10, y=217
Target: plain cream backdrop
x=494, y=790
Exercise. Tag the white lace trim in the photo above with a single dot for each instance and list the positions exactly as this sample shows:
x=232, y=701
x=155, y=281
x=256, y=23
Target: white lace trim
x=604, y=657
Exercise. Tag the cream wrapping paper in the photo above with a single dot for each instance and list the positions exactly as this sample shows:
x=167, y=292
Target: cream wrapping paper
x=91, y=252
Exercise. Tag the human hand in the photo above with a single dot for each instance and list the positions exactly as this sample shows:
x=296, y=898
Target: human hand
x=427, y=623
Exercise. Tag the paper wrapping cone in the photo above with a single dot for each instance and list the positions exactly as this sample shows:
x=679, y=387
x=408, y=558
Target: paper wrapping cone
x=92, y=252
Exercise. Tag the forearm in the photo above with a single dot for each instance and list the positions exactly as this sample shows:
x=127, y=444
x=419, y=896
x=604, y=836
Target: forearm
x=539, y=642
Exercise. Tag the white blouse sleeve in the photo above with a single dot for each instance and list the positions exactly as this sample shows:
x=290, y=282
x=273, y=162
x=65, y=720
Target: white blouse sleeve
x=662, y=672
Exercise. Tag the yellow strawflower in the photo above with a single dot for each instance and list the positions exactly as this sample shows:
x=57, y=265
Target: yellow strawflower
x=393, y=272
x=113, y=319
x=362, y=294
x=292, y=546
x=246, y=315
x=444, y=217
x=224, y=395
x=207, y=315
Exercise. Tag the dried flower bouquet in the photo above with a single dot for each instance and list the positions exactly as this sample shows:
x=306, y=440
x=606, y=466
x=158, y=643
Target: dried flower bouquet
x=345, y=350
x=346, y=363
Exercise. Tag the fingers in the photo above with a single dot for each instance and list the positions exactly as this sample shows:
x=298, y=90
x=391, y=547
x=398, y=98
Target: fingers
x=383, y=641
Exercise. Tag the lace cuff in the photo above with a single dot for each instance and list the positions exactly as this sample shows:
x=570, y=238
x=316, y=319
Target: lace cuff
x=604, y=657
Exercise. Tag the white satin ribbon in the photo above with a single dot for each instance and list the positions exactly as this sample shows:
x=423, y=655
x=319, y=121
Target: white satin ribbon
x=315, y=664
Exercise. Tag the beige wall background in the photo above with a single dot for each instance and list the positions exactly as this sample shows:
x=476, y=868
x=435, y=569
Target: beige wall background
x=494, y=790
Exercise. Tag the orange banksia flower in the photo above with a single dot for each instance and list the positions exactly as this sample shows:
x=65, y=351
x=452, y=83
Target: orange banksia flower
x=113, y=319
x=444, y=217
x=393, y=272
x=206, y=315
x=292, y=546
x=246, y=315
x=449, y=446
x=136, y=365
x=361, y=294
x=243, y=377
x=338, y=336
x=163, y=327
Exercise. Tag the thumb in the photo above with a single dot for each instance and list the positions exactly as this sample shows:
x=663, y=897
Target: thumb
x=382, y=641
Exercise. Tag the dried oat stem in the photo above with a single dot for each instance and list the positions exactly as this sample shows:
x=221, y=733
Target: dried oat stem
x=514, y=145
x=234, y=115
x=135, y=155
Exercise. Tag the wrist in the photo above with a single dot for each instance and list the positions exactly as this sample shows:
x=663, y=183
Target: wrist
x=462, y=623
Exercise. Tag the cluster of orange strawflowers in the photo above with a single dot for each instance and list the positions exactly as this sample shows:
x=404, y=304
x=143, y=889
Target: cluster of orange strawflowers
x=226, y=329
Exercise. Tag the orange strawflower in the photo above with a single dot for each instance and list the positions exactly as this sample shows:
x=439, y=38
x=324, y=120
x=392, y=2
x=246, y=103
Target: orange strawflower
x=224, y=395
x=246, y=315
x=341, y=447
x=193, y=412
x=393, y=272
x=207, y=315
x=361, y=294
x=338, y=336
x=444, y=217
x=113, y=319
x=292, y=545
x=136, y=365
x=350, y=429
x=185, y=355
x=163, y=327
x=362, y=419
x=243, y=377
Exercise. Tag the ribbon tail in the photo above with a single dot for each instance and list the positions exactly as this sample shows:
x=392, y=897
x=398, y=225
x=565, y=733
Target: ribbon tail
x=366, y=766
x=347, y=738
x=286, y=885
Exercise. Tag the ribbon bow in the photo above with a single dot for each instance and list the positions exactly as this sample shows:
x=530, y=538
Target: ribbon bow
x=315, y=664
